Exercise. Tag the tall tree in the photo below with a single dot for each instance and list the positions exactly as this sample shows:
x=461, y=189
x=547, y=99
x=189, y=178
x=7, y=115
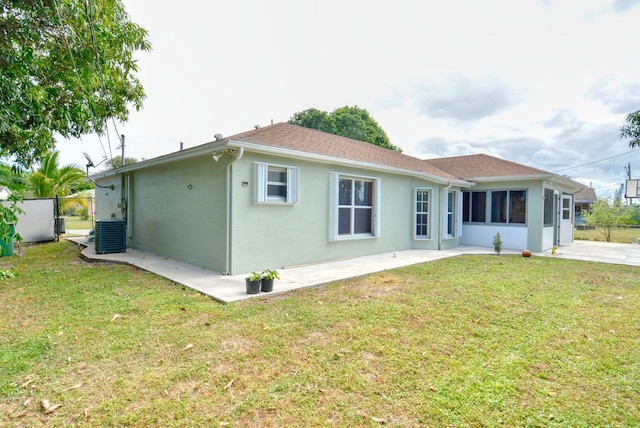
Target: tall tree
x=352, y=122
x=632, y=129
x=67, y=67
x=13, y=177
x=606, y=216
x=116, y=162
x=52, y=180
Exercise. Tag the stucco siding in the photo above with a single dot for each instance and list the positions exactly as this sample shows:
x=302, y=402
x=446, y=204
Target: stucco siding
x=176, y=210
x=108, y=202
x=279, y=235
x=514, y=236
x=179, y=211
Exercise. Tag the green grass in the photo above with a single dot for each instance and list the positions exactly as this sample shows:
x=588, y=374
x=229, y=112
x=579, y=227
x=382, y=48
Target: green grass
x=624, y=235
x=76, y=223
x=467, y=341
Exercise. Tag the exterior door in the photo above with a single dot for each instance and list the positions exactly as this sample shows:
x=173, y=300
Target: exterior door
x=566, y=220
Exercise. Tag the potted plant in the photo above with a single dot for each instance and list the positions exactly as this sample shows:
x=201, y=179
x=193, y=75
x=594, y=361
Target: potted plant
x=268, y=276
x=253, y=283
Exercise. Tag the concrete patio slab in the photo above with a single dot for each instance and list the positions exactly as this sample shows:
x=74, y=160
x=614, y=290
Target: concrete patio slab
x=231, y=288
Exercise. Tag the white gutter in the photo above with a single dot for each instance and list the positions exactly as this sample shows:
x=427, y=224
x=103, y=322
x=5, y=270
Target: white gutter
x=218, y=146
x=574, y=185
x=203, y=150
x=276, y=151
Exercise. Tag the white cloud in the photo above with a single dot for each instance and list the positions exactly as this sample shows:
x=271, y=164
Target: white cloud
x=544, y=83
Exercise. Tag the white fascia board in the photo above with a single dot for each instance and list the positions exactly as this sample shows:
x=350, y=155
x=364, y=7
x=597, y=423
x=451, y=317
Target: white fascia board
x=552, y=178
x=573, y=186
x=204, y=149
x=276, y=151
x=510, y=178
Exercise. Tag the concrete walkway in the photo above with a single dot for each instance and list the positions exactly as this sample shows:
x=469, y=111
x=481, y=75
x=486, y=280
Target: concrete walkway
x=231, y=288
x=603, y=252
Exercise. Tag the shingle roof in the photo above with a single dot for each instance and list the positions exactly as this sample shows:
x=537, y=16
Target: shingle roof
x=587, y=195
x=474, y=167
x=298, y=138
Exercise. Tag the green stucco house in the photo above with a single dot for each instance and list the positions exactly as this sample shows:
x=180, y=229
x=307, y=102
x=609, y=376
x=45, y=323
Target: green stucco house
x=285, y=195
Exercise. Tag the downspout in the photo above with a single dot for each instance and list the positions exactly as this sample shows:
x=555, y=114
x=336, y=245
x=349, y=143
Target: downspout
x=237, y=154
x=129, y=208
x=443, y=200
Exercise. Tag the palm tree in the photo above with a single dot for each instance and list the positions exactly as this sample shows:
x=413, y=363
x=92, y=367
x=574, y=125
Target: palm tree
x=49, y=180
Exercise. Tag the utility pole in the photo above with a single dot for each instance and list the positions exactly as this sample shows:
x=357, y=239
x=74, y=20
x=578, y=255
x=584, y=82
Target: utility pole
x=628, y=168
x=122, y=144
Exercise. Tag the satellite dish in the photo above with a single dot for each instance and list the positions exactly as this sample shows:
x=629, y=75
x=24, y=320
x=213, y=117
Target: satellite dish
x=89, y=161
x=217, y=136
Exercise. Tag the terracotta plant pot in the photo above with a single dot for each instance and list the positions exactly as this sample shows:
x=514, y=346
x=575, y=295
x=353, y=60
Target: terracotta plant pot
x=526, y=253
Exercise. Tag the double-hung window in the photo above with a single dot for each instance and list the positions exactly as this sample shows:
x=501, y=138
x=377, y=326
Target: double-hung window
x=549, y=197
x=422, y=213
x=451, y=225
x=354, y=207
x=276, y=184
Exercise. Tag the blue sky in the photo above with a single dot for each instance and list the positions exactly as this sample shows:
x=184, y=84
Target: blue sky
x=541, y=82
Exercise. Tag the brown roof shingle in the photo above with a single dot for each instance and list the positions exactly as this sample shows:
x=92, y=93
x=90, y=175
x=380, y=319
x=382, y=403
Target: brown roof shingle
x=473, y=167
x=586, y=195
x=297, y=138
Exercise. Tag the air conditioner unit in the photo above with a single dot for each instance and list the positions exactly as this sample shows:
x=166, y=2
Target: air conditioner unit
x=111, y=236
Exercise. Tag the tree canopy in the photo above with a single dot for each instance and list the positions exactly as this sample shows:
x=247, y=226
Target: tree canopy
x=50, y=179
x=116, y=162
x=352, y=122
x=632, y=129
x=606, y=216
x=67, y=67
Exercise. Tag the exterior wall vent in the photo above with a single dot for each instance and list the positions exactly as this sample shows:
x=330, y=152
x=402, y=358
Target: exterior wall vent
x=111, y=236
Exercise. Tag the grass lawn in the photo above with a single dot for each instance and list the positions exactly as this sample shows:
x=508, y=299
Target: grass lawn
x=76, y=223
x=624, y=235
x=467, y=341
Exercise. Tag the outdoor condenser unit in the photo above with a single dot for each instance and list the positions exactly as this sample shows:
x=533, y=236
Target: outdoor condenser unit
x=111, y=236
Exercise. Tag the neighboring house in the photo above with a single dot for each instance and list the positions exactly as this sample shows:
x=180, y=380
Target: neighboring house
x=584, y=199
x=285, y=195
x=5, y=192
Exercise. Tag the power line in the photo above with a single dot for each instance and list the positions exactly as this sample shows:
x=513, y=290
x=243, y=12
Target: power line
x=73, y=62
x=599, y=160
x=89, y=11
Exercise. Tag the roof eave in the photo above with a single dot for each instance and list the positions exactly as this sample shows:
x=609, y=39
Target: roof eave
x=554, y=178
x=278, y=151
x=510, y=178
x=201, y=150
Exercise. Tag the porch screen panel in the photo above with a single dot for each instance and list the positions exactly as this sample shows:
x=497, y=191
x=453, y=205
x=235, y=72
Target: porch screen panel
x=548, y=207
x=499, y=206
x=517, y=206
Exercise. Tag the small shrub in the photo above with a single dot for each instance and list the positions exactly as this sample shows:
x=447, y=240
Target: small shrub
x=497, y=243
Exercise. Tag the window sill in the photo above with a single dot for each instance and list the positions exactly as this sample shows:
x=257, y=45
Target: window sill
x=352, y=238
x=275, y=204
x=496, y=224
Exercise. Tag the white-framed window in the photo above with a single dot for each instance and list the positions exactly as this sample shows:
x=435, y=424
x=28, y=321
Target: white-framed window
x=354, y=207
x=422, y=214
x=451, y=228
x=276, y=184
